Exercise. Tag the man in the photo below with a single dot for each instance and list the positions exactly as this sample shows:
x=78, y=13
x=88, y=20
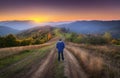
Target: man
x=60, y=46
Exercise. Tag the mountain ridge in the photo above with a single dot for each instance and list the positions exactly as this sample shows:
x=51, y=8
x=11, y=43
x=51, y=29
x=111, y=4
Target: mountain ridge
x=7, y=30
x=92, y=26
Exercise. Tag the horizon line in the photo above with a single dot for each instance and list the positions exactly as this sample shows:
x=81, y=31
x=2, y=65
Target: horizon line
x=57, y=21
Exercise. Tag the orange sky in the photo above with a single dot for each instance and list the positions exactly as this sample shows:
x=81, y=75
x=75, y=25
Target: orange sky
x=62, y=17
x=55, y=15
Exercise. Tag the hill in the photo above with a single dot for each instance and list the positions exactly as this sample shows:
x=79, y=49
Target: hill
x=93, y=27
x=19, y=25
x=37, y=35
x=7, y=30
x=36, y=31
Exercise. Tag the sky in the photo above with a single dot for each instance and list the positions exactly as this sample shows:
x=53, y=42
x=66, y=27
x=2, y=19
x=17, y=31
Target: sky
x=59, y=10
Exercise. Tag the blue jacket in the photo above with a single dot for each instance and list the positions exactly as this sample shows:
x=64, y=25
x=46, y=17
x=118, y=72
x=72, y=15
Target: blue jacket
x=60, y=46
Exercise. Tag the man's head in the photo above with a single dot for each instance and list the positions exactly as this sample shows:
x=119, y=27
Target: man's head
x=60, y=39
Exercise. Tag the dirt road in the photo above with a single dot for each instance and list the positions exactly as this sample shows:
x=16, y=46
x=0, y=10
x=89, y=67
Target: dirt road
x=44, y=70
x=72, y=69
x=49, y=67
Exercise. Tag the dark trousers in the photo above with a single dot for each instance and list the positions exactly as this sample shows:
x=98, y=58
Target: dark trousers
x=60, y=54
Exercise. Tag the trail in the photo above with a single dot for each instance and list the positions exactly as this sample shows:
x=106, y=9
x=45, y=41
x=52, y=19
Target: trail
x=44, y=70
x=72, y=67
x=44, y=67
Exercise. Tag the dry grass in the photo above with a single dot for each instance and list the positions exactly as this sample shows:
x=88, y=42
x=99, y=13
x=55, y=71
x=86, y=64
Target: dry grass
x=4, y=52
x=101, y=48
x=92, y=65
x=109, y=53
x=95, y=64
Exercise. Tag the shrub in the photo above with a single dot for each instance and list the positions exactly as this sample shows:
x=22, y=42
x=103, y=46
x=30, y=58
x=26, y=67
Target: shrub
x=114, y=41
x=107, y=36
x=87, y=39
x=37, y=41
x=2, y=42
x=26, y=41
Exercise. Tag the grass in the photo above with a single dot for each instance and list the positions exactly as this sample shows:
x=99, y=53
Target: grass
x=5, y=52
x=110, y=55
x=92, y=65
x=12, y=59
x=59, y=33
x=107, y=52
x=111, y=72
x=59, y=69
x=35, y=57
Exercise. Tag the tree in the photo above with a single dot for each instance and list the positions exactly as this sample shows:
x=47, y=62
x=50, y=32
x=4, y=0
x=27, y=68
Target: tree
x=49, y=36
x=37, y=41
x=26, y=41
x=2, y=41
x=10, y=40
x=107, y=36
x=18, y=42
x=78, y=39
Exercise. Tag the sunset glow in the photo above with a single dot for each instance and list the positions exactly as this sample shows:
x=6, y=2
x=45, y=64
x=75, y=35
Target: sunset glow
x=37, y=19
x=45, y=11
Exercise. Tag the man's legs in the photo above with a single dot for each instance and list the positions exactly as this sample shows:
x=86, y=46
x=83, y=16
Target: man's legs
x=62, y=55
x=58, y=56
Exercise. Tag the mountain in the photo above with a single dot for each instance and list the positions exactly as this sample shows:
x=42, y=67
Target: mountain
x=36, y=30
x=83, y=27
x=7, y=30
x=19, y=25
x=93, y=27
x=27, y=24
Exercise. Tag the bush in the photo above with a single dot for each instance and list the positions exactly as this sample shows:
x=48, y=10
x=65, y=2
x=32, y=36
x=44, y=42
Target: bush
x=42, y=41
x=114, y=41
x=87, y=39
x=96, y=40
x=107, y=36
x=71, y=37
x=37, y=41
x=78, y=39
x=11, y=40
x=2, y=42
x=18, y=42
x=26, y=41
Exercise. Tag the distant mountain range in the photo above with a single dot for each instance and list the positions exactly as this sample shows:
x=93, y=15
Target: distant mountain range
x=27, y=24
x=7, y=30
x=83, y=27
x=92, y=26
x=19, y=25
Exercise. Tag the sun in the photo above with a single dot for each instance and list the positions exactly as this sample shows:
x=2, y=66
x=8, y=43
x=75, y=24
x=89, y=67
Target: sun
x=39, y=20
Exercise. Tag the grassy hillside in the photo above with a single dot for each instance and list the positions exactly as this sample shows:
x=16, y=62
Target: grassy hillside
x=37, y=35
x=35, y=31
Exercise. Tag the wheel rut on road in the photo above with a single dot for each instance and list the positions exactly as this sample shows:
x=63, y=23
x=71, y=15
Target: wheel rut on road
x=45, y=69
x=72, y=67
